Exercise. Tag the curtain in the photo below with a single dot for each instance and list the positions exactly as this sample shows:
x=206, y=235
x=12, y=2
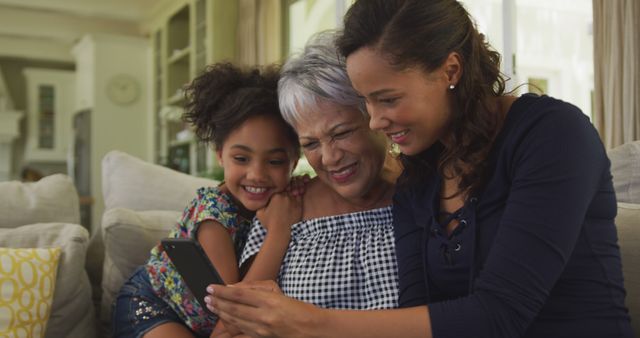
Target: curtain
x=259, y=32
x=616, y=111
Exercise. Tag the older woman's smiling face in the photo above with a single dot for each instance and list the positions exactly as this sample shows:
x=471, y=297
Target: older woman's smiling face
x=344, y=152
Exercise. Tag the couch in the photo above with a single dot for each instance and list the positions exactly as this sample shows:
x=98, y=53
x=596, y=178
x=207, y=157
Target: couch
x=143, y=201
x=136, y=219
x=625, y=168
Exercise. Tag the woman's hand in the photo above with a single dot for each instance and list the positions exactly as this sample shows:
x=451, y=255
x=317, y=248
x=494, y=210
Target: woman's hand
x=259, y=309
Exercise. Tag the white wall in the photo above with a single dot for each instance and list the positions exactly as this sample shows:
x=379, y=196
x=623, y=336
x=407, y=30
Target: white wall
x=113, y=127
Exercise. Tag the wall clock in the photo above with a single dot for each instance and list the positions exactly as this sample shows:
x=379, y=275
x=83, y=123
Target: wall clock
x=123, y=89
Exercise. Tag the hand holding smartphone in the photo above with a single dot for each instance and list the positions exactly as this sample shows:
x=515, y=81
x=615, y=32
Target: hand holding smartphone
x=193, y=264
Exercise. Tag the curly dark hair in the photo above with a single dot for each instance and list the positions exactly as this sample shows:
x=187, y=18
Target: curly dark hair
x=423, y=33
x=224, y=96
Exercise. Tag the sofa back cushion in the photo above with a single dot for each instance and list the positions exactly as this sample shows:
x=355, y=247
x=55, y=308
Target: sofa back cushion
x=625, y=168
x=72, y=312
x=128, y=237
x=52, y=199
x=129, y=182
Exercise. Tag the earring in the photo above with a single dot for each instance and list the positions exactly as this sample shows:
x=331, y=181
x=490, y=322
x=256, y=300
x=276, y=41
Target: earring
x=394, y=150
x=452, y=86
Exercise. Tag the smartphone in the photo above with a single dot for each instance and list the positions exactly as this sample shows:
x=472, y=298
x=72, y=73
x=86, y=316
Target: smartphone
x=193, y=264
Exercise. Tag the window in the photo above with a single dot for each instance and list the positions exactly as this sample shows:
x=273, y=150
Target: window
x=306, y=17
x=550, y=42
x=46, y=118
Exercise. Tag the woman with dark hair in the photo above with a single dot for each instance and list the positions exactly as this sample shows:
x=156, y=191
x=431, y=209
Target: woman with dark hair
x=504, y=215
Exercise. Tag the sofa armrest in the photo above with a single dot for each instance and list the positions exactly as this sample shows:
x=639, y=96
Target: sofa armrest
x=628, y=224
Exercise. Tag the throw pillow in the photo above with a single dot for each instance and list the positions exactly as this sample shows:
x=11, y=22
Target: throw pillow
x=72, y=312
x=625, y=168
x=27, y=281
x=128, y=237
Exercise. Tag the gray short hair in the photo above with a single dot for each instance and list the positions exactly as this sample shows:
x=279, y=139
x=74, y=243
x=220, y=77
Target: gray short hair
x=317, y=74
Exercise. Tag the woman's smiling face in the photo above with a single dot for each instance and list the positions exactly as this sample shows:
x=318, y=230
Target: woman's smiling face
x=345, y=154
x=410, y=106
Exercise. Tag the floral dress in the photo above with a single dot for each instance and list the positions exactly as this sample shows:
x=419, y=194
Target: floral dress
x=210, y=204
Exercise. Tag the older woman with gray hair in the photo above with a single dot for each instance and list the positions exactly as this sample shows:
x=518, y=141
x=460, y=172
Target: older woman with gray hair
x=341, y=254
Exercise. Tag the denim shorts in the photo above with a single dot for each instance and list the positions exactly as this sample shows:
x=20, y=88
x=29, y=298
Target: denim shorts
x=138, y=309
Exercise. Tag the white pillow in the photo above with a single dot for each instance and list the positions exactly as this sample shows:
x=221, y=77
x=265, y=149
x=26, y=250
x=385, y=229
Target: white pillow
x=52, y=199
x=72, y=312
x=128, y=238
x=628, y=224
x=625, y=168
x=128, y=182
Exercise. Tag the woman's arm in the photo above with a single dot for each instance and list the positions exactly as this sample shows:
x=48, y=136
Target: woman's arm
x=258, y=310
x=409, y=243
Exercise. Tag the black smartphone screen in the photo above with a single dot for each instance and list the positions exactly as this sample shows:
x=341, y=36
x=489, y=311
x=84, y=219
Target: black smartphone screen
x=193, y=264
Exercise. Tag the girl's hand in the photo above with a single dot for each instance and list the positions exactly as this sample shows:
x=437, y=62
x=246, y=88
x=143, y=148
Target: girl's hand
x=222, y=330
x=281, y=213
x=259, y=309
x=297, y=185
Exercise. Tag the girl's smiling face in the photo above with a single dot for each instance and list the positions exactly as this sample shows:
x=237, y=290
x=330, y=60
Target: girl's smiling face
x=258, y=160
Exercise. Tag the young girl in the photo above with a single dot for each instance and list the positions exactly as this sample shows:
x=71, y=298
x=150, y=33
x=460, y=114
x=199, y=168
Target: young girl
x=238, y=112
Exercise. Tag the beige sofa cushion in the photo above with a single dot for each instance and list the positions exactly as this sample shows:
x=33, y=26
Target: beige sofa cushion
x=142, y=203
x=52, y=199
x=628, y=223
x=625, y=168
x=128, y=182
x=72, y=313
x=128, y=237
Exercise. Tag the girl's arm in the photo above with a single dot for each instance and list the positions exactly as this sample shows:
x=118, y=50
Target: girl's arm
x=218, y=245
x=277, y=217
x=283, y=210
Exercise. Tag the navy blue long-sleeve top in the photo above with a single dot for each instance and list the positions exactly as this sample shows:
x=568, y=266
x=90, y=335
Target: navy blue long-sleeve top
x=535, y=253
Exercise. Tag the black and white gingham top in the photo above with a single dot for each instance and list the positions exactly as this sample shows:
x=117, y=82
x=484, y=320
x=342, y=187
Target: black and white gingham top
x=343, y=262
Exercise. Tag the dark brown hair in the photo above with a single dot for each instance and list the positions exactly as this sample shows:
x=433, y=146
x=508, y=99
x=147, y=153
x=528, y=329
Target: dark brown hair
x=224, y=96
x=423, y=33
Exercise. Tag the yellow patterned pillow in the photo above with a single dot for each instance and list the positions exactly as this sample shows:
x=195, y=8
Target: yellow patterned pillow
x=27, y=281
